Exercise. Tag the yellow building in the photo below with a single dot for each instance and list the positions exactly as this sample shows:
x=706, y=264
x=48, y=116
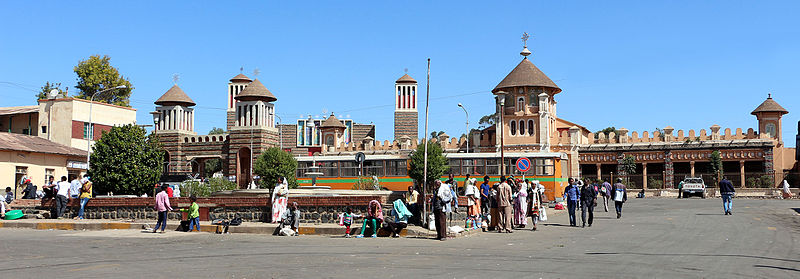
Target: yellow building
x=37, y=159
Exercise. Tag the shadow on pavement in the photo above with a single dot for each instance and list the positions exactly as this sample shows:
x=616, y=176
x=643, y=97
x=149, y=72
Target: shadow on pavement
x=778, y=267
x=696, y=255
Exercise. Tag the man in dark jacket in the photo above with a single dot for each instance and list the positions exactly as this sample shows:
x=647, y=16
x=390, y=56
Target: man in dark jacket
x=620, y=196
x=726, y=191
x=30, y=190
x=588, y=201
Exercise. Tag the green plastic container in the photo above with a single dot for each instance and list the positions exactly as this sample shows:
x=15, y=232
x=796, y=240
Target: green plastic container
x=14, y=214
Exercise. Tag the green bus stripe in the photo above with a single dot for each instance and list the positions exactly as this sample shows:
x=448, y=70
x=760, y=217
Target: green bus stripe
x=408, y=179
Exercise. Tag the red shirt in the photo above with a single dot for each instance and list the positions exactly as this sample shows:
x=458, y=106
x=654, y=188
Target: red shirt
x=169, y=191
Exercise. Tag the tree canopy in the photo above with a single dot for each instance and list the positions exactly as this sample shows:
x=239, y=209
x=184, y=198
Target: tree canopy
x=42, y=94
x=95, y=74
x=126, y=160
x=216, y=131
x=487, y=120
x=437, y=163
x=274, y=164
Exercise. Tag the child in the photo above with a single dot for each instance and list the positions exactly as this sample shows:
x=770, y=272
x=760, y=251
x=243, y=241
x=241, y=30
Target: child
x=9, y=195
x=347, y=220
x=194, y=213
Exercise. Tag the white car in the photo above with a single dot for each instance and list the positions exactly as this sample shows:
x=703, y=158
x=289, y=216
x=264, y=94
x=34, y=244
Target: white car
x=694, y=186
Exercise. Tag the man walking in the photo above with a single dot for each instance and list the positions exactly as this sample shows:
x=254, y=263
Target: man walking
x=62, y=196
x=588, y=201
x=504, y=197
x=620, y=195
x=605, y=190
x=572, y=195
x=727, y=192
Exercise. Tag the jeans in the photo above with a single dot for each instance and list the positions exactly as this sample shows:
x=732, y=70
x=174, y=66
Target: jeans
x=194, y=223
x=84, y=201
x=587, y=207
x=571, y=207
x=618, y=206
x=727, y=203
x=61, y=205
x=162, y=221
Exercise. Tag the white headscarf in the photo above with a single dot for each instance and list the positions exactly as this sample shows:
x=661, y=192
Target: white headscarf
x=280, y=188
x=785, y=186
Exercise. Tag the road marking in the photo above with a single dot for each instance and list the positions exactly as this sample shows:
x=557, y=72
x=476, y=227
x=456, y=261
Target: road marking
x=94, y=267
x=772, y=228
x=756, y=218
x=669, y=218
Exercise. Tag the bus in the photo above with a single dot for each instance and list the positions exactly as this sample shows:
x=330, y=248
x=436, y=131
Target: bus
x=341, y=172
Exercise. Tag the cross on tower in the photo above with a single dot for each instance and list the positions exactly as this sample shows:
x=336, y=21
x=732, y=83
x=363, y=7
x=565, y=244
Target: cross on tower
x=525, y=37
x=175, y=78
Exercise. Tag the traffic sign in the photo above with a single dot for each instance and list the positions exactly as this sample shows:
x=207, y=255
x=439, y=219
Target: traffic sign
x=523, y=164
x=360, y=157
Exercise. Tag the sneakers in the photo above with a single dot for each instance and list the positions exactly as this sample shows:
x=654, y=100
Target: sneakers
x=360, y=236
x=374, y=236
x=347, y=236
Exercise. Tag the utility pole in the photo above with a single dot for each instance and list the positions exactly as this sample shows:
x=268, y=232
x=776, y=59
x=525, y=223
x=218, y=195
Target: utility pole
x=425, y=140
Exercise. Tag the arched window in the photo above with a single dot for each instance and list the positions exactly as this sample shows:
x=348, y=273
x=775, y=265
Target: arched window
x=770, y=129
x=530, y=127
x=329, y=140
x=521, y=104
x=522, y=127
x=513, y=127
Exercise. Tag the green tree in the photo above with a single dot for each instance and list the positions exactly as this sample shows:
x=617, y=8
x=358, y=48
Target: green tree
x=216, y=131
x=205, y=189
x=126, y=160
x=274, y=164
x=212, y=166
x=607, y=131
x=50, y=86
x=95, y=74
x=437, y=164
x=628, y=167
x=716, y=166
x=436, y=134
x=487, y=120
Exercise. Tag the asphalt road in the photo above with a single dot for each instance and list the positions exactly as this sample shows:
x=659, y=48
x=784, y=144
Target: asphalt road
x=656, y=238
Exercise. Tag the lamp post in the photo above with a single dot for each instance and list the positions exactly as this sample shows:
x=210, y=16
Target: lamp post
x=91, y=128
x=467, y=117
x=280, y=132
x=501, y=95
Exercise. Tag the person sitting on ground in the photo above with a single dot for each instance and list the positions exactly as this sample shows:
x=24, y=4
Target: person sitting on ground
x=411, y=197
x=29, y=192
x=9, y=195
x=290, y=218
x=373, y=219
x=194, y=213
x=401, y=215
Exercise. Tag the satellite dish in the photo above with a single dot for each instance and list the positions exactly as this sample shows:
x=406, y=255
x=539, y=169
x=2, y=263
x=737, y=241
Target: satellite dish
x=52, y=94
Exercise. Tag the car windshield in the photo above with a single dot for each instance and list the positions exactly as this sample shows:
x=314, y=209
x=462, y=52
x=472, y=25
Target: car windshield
x=693, y=180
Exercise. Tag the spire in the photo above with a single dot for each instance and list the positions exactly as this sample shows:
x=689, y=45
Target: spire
x=525, y=52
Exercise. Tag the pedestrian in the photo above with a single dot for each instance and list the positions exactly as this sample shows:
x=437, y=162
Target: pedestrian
x=485, y=189
x=440, y=201
x=373, y=219
x=785, y=192
x=680, y=189
x=536, y=202
x=400, y=214
x=29, y=192
x=473, y=202
x=49, y=188
x=85, y=195
x=572, y=196
x=162, y=206
x=605, y=191
x=75, y=187
x=194, y=213
x=347, y=220
x=494, y=210
x=62, y=196
x=504, y=203
x=170, y=192
x=411, y=198
x=727, y=192
x=9, y=195
x=290, y=218
x=521, y=205
x=280, y=199
x=588, y=202
x=620, y=196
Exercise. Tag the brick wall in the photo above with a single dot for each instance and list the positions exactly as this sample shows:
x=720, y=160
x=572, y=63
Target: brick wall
x=406, y=124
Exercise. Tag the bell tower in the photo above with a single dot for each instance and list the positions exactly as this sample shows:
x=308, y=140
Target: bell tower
x=406, y=116
x=769, y=115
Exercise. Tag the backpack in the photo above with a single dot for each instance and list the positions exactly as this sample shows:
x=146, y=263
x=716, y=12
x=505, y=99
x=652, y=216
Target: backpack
x=236, y=221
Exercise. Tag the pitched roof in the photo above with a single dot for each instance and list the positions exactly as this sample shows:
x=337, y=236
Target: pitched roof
x=175, y=95
x=406, y=79
x=526, y=74
x=256, y=91
x=241, y=77
x=26, y=143
x=332, y=122
x=769, y=105
x=18, y=110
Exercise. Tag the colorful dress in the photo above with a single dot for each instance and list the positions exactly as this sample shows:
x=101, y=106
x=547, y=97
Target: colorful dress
x=280, y=199
x=521, y=205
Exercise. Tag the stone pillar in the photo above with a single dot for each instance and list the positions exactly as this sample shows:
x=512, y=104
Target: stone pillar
x=644, y=175
x=599, y=171
x=669, y=171
x=691, y=165
x=741, y=173
x=668, y=133
x=769, y=164
x=623, y=135
x=715, y=132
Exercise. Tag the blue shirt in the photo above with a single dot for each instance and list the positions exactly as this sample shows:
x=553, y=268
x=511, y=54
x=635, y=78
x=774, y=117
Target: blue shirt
x=485, y=188
x=571, y=193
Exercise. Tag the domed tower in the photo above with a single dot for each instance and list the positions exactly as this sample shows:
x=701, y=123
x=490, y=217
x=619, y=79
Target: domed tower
x=174, y=119
x=769, y=115
x=235, y=86
x=253, y=130
x=406, y=116
x=528, y=108
x=333, y=132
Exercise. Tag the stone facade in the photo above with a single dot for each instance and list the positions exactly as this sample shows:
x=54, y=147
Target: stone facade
x=406, y=124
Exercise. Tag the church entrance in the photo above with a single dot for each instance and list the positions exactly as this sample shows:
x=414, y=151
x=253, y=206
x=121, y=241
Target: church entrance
x=243, y=167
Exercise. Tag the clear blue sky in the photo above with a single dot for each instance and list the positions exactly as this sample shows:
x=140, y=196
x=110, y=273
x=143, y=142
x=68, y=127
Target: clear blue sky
x=635, y=64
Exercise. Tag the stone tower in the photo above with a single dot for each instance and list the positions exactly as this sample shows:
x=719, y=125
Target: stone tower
x=253, y=130
x=406, y=116
x=235, y=86
x=174, y=119
x=769, y=115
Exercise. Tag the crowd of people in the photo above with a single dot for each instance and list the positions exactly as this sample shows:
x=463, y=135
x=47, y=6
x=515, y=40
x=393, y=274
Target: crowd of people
x=60, y=192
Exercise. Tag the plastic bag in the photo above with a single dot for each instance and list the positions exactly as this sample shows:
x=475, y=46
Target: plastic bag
x=543, y=214
x=431, y=223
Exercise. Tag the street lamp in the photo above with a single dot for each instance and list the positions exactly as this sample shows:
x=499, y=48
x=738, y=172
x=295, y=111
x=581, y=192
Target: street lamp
x=91, y=128
x=501, y=96
x=156, y=119
x=467, y=113
x=280, y=131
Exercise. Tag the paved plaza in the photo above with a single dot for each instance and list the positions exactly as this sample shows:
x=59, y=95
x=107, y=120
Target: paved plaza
x=656, y=238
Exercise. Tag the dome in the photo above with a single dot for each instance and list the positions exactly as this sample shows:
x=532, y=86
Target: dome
x=526, y=74
x=406, y=79
x=241, y=78
x=332, y=122
x=256, y=91
x=175, y=96
x=769, y=105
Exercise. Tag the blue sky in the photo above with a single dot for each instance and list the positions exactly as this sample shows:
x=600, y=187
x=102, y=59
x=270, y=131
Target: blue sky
x=636, y=64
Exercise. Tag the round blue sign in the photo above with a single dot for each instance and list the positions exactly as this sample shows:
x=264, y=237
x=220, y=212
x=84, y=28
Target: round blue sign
x=523, y=164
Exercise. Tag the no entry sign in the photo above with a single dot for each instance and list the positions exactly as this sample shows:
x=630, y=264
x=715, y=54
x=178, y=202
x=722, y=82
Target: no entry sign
x=523, y=164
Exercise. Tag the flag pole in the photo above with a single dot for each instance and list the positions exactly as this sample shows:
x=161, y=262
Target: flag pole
x=425, y=156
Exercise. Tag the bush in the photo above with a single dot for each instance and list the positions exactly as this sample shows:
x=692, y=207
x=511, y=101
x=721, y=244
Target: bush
x=126, y=161
x=274, y=164
x=200, y=189
x=765, y=181
x=655, y=183
x=364, y=183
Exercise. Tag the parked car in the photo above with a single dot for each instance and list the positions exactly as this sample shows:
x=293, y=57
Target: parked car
x=694, y=186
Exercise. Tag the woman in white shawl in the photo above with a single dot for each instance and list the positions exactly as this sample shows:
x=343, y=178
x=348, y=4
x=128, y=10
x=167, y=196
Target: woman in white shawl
x=787, y=194
x=280, y=199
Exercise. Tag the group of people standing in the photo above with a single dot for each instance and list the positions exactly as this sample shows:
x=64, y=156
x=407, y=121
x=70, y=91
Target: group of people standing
x=583, y=195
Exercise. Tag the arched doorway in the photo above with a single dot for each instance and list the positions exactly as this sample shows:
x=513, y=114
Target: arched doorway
x=243, y=167
x=166, y=163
